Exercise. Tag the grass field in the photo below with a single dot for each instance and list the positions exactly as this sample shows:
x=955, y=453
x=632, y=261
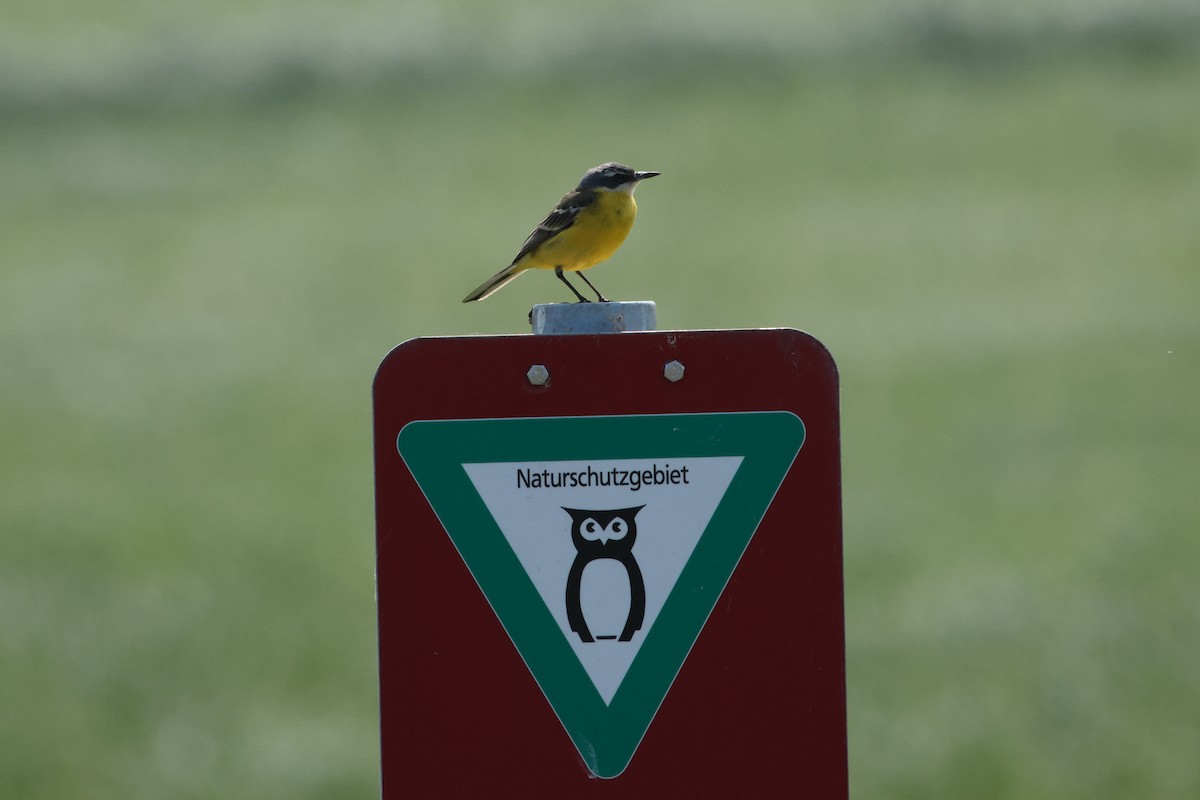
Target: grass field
x=214, y=226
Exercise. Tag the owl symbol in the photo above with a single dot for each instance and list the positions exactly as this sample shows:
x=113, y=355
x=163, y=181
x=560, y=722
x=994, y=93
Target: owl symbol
x=605, y=535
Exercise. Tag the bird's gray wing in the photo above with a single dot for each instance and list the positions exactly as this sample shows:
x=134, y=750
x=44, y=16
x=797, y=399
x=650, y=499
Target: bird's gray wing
x=562, y=217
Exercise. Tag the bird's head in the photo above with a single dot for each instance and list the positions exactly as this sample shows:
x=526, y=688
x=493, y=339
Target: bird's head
x=613, y=177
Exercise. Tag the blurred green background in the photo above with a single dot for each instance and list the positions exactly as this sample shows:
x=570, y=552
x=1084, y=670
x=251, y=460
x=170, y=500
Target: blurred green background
x=216, y=219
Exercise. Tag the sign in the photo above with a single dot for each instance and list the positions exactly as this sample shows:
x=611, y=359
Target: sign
x=573, y=564
x=536, y=505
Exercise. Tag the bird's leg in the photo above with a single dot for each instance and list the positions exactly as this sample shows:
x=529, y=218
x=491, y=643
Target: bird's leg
x=559, y=272
x=599, y=296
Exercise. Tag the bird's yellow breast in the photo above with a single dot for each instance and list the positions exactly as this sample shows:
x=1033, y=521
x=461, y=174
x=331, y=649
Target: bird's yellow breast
x=595, y=235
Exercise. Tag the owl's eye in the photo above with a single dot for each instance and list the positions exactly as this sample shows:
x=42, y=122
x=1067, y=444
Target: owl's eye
x=616, y=526
x=590, y=529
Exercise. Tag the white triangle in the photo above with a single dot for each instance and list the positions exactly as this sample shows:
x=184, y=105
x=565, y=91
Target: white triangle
x=678, y=498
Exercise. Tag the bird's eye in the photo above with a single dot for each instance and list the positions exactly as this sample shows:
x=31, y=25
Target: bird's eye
x=591, y=530
x=616, y=526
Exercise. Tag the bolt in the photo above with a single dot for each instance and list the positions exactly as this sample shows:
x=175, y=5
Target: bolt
x=673, y=371
x=538, y=375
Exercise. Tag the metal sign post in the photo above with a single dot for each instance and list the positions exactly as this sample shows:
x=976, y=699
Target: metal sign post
x=610, y=565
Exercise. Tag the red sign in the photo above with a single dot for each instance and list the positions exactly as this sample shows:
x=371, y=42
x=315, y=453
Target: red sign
x=610, y=565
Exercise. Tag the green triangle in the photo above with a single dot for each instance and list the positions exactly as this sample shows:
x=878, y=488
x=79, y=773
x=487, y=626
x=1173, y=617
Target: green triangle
x=439, y=453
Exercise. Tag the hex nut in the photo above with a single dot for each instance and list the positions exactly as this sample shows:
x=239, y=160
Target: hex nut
x=673, y=371
x=538, y=375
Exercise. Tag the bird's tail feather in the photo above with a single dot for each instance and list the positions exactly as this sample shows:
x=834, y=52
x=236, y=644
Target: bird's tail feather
x=494, y=283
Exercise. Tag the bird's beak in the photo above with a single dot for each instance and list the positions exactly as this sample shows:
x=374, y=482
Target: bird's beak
x=641, y=176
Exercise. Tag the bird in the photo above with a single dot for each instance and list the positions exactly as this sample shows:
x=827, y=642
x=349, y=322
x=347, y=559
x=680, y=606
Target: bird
x=604, y=535
x=586, y=227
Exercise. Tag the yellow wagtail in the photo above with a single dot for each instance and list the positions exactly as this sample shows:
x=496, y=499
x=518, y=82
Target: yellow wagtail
x=586, y=227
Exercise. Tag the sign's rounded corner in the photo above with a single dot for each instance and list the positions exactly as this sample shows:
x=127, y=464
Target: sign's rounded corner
x=395, y=353
x=821, y=350
x=798, y=421
x=400, y=433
